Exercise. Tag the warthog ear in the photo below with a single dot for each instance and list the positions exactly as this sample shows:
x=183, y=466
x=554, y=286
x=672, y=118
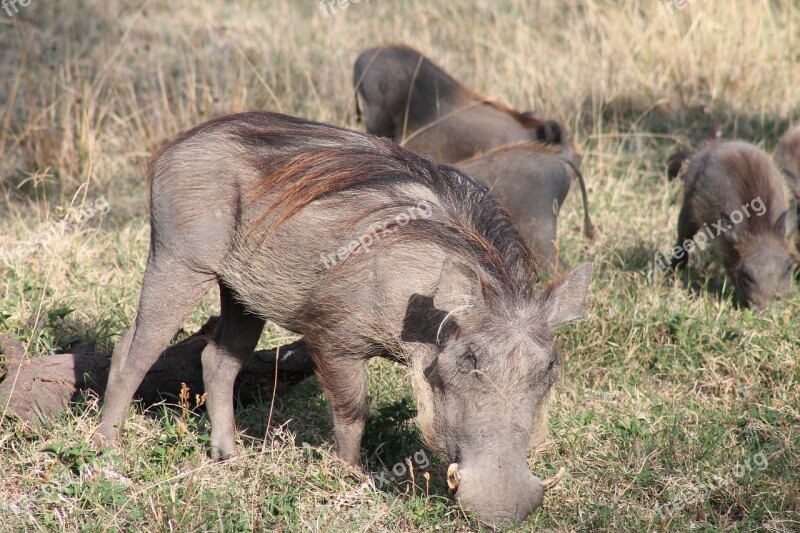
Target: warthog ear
x=791, y=219
x=786, y=224
x=678, y=163
x=458, y=289
x=566, y=300
x=550, y=132
x=792, y=181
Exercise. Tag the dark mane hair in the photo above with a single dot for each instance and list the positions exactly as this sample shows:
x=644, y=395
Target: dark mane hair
x=756, y=176
x=300, y=161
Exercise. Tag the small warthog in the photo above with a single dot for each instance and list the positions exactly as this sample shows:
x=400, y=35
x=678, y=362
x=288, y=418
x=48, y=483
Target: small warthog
x=734, y=197
x=787, y=157
x=256, y=202
x=406, y=97
x=531, y=181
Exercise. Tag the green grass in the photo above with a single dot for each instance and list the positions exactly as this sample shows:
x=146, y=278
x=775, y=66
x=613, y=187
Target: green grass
x=667, y=386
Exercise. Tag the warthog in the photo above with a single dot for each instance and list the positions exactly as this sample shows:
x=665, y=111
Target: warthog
x=531, y=181
x=733, y=195
x=787, y=157
x=255, y=202
x=406, y=97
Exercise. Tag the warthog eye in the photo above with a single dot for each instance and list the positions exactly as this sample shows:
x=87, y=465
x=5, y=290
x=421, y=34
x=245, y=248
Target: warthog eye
x=468, y=361
x=551, y=373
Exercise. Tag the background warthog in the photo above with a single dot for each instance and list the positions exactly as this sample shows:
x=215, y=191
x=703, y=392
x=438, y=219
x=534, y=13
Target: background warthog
x=787, y=157
x=251, y=201
x=531, y=181
x=406, y=97
x=734, y=192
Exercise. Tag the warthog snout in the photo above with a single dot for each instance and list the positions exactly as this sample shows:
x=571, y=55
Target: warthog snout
x=499, y=494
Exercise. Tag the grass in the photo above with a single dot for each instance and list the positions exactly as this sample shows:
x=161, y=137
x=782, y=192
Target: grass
x=667, y=387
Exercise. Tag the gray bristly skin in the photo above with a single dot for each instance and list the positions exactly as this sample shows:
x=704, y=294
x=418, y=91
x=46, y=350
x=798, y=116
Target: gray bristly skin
x=787, y=157
x=257, y=202
x=402, y=95
x=719, y=180
x=531, y=181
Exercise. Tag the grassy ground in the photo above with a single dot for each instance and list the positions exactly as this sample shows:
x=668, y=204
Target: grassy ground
x=675, y=409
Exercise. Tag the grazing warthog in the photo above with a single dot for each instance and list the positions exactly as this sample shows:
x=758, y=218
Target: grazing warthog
x=255, y=202
x=531, y=181
x=787, y=157
x=734, y=196
x=406, y=97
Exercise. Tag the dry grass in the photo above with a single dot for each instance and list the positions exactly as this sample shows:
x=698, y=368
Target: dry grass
x=664, y=386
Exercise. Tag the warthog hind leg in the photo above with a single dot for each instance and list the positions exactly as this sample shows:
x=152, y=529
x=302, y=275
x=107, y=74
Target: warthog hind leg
x=235, y=338
x=169, y=292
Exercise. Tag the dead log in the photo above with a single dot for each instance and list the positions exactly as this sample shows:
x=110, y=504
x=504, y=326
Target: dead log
x=37, y=389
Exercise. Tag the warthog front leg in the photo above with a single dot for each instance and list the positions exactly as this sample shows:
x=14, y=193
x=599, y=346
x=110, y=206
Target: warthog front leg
x=235, y=338
x=345, y=385
x=686, y=231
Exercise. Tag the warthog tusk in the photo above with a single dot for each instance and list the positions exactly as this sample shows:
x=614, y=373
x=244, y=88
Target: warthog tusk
x=551, y=482
x=452, y=477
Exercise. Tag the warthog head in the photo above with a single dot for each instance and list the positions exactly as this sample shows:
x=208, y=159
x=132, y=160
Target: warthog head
x=479, y=396
x=764, y=268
